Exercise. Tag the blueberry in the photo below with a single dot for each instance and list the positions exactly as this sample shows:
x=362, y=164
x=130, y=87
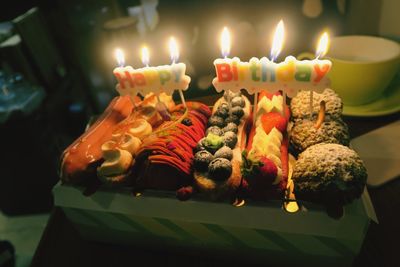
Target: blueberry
x=238, y=101
x=230, y=139
x=216, y=121
x=233, y=118
x=201, y=160
x=230, y=126
x=200, y=145
x=238, y=111
x=187, y=122
x=224, y=152
x=220, y=169
x=222, y=110
x=215, y=130
x=231, y=94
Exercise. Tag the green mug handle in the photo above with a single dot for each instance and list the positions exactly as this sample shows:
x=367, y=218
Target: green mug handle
x=306, y=55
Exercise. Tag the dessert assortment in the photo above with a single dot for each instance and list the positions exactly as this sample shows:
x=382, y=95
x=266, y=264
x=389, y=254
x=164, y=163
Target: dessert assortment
x=223, y=152
x=291, y=151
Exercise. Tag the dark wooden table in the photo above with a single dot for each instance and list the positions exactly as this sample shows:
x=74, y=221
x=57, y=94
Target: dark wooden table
x=61, y=244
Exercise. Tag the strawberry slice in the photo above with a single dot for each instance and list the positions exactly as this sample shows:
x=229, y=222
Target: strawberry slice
x=260, y=173
x=267, y=94
x=273, y=119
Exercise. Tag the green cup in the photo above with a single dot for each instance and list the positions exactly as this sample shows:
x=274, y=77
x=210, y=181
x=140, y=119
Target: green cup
x=362, y=67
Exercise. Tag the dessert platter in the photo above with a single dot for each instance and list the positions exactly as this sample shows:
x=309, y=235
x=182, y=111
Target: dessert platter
x=274, y=175
x=211, y=169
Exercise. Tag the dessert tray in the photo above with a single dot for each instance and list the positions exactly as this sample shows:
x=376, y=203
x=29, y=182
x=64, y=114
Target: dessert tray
x=260, y=231
x=221, y=179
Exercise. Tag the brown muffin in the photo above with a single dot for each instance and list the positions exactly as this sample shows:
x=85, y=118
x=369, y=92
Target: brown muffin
x=303, y=133
x=300, y=104
x=329, y=174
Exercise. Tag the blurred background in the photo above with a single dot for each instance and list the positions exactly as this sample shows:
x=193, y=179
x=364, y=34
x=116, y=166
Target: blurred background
x=57, y=57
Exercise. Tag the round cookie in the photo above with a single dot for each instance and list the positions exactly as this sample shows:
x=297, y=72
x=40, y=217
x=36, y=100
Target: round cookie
x=300, y=104
x=303, y=133
x=330, y=174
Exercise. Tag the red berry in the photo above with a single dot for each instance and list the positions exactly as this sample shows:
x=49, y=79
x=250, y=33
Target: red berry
x=268, y=170
x=261, y=173
x=273, y=119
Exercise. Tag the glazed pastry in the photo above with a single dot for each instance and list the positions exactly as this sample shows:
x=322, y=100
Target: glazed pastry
x=165, y=160
x=300, y=104
x=265, y=161
x=82, y=157
x=303, y=133
x=218, y=156
x=330, y=174
x=118, y=131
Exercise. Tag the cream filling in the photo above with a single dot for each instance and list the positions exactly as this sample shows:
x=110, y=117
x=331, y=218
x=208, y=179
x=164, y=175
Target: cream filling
x=140, y=128
x=118, y=157
x=117, y=161
x=269, y=146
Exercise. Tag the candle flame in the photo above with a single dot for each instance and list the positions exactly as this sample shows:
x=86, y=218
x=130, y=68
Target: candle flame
x=278, y=41
x=225, y=42
x=323, y=45
x=173, y=49
x=145, y=56
x=119, y=55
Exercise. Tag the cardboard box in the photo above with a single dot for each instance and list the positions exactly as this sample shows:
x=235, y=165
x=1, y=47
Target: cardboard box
x=263, y=232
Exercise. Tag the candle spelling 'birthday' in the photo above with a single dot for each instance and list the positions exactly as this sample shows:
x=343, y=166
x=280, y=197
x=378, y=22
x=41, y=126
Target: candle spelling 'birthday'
x=290, y=75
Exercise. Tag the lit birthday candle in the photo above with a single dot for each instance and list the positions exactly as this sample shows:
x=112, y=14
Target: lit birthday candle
x=322, y=49
x=226, y=68
x=276, y=48
x=122, y=73
x=277, y=42
x=290, y=75
x=174, y=53
x=149, y=79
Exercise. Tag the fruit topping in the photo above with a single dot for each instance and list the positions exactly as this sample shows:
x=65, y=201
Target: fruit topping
x=238, y=101
x=215, y=130
x=229, y=95
x=230, y=126
x=230, y=139
x=224, y=152
x=216, y=121
x=202, y=159
x=259, y=172
x=187, y=122
x=238, y=111
x=220, y=169
x=200, y=145
x=213, y=142
x=273, y=119
x=233, y=118
x=222, y=110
